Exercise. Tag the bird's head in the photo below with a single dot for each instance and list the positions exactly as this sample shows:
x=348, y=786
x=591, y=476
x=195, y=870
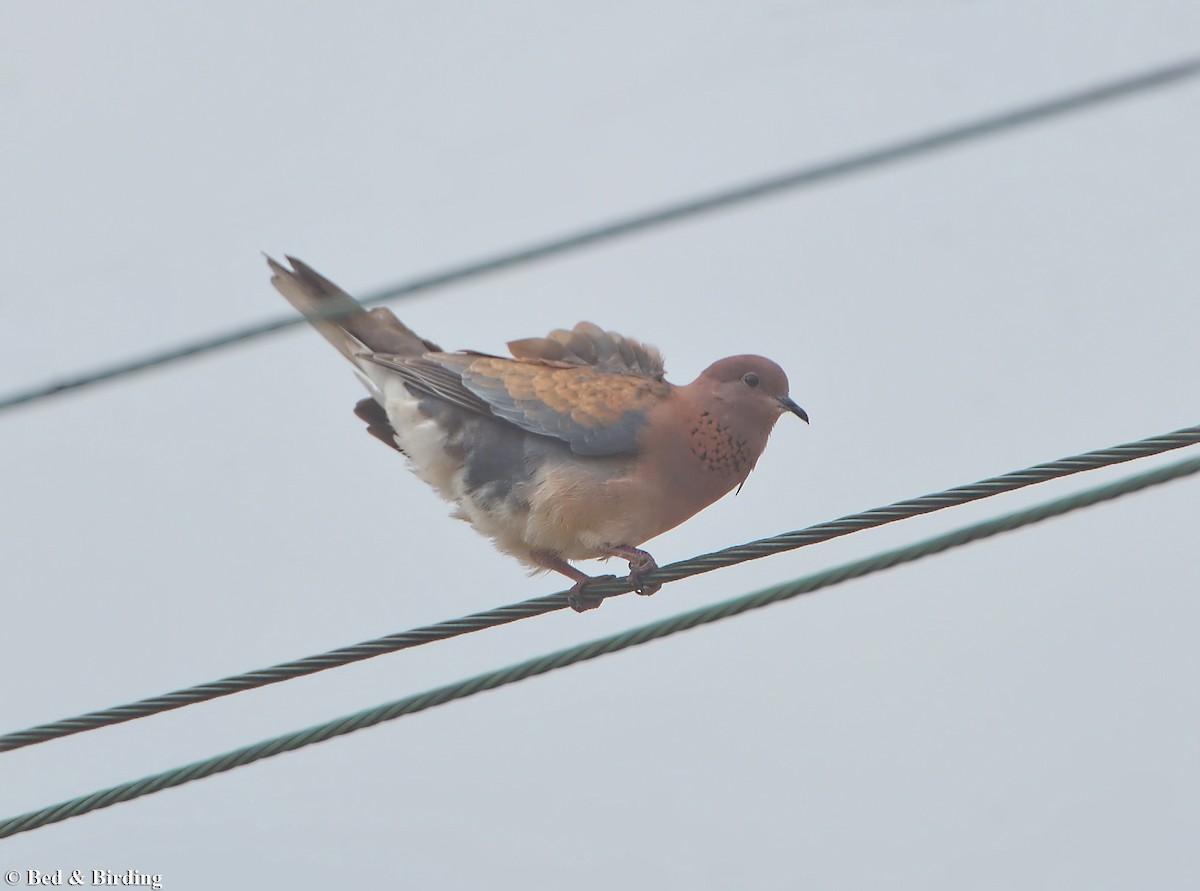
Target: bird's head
x=747, y=389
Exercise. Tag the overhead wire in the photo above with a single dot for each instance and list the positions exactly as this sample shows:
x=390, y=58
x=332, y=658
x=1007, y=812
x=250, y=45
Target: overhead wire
x=603, y=646
x=603, y=588
x=806, y=176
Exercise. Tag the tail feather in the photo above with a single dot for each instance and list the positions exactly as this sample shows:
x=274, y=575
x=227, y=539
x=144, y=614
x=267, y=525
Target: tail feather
x=341, y=319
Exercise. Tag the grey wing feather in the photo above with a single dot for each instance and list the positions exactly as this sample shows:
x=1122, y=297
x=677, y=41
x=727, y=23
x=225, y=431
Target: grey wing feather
x=451, y=377
x=612, y=365
x=431, y=377
x=615, y=437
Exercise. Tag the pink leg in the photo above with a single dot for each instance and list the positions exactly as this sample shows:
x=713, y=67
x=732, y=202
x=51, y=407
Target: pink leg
x=576, y=597
x=641, y=564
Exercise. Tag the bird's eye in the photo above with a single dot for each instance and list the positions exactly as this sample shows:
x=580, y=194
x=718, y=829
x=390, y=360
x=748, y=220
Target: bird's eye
x=750, y=379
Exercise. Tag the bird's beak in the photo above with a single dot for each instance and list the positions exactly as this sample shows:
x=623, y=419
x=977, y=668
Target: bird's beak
x=789, y=405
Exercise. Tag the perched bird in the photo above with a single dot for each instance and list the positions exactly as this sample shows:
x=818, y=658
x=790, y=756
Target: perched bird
x=575, y=448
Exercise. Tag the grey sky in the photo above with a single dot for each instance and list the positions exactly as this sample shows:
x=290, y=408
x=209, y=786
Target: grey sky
x=1021, y=713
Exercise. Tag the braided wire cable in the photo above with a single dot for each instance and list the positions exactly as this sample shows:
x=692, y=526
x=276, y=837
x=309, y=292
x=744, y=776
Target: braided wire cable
x=603, y=646
x=601, y=588
x=903, y=510
x=901, y=150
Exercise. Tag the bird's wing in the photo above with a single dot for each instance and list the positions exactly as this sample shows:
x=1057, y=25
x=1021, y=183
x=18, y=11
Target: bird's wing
x=594, y=411
x=590, y=346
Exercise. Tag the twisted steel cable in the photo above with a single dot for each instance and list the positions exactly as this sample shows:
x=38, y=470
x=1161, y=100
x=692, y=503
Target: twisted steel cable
x=602, y=588
x=655, y=631
x=903, y=510
x=979, y=128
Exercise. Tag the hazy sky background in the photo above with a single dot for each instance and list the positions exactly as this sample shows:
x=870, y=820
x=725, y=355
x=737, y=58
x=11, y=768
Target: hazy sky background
x=1023, y=713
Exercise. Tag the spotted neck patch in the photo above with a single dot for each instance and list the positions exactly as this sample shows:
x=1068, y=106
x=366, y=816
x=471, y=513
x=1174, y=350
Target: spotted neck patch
x=719, y=449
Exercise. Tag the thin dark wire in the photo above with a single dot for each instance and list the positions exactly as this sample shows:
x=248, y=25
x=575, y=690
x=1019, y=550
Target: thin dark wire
x=889, y=154
x=549, y=603
x=563, y=658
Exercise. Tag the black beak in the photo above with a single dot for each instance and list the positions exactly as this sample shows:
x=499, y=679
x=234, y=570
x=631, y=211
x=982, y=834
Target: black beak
x=791, y=406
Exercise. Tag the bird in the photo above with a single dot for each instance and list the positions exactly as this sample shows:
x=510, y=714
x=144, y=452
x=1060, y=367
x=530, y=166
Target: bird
x=573, y=447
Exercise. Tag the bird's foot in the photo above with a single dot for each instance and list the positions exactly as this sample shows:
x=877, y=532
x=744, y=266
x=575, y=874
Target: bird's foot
x=580, y=600
x=641, y=565
x=577, y=598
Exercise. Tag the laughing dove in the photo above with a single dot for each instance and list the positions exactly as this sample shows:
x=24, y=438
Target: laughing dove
x=575, y=448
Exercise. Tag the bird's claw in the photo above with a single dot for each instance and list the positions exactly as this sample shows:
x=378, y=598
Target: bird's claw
x=641, y=565
x=580, y=600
